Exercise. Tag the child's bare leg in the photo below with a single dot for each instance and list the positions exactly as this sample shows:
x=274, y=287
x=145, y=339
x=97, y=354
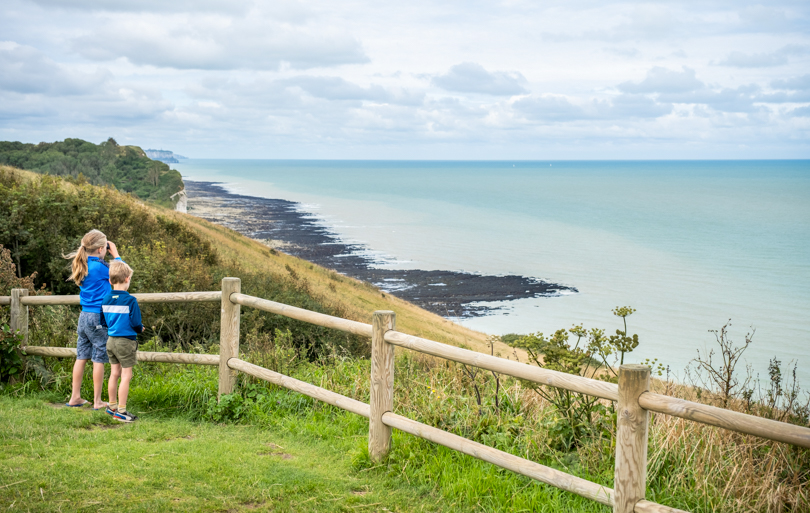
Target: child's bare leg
x=78, y=375
x=98, y=384
x=112, y=386
x=123, y=390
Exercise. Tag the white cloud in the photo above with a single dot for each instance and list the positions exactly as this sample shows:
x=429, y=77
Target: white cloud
x=778, y=57
x=662, y=80
x=469, y=77
x=27, y=70
x=422, y=79
x=560, y=109
x=801, y=83
x=139, y=6
x=210, y=42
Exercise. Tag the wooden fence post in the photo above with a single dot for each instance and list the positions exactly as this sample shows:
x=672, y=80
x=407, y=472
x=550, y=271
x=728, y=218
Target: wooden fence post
x=630, y=475
x=228, y=335
x=19, y=314
x=382, y=385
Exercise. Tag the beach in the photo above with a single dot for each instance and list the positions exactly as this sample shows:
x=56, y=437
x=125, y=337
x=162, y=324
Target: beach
x=284, y=226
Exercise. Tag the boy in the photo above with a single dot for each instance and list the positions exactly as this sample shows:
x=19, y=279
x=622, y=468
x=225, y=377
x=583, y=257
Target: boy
x=121, y=316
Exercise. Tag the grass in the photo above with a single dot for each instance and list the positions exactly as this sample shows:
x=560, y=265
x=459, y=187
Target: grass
x=55, y=458
x=177, y=457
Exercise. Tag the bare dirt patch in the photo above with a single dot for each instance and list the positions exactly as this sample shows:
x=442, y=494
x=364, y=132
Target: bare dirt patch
x=187, y=437
x=279, y=454
x=252, y=504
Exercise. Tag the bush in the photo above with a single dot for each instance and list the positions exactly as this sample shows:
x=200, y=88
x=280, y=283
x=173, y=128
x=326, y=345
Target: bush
x=11, y=364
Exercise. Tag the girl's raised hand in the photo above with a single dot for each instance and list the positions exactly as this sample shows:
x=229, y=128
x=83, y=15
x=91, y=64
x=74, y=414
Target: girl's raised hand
x=113, y=249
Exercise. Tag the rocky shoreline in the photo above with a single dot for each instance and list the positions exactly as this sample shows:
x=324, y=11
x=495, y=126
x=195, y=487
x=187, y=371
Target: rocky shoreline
x=282, y=225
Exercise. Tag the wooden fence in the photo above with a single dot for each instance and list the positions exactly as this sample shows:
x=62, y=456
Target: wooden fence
x=632, y=393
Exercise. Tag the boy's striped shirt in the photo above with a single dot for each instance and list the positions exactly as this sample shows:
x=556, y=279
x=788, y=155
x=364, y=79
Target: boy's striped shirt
x=121, y=314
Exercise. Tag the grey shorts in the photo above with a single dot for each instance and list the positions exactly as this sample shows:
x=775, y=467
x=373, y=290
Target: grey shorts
x=92, y=342
x=122, y=350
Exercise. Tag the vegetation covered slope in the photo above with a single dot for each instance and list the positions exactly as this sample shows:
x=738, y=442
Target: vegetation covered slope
x=127, y=168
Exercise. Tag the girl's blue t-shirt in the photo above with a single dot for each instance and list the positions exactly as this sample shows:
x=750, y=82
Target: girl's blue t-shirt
x=95, y=285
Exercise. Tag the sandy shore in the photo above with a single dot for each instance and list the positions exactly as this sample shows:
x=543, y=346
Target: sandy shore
x=282, y=225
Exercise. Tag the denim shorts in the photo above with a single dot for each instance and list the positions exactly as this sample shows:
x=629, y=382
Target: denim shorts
x=92, y=343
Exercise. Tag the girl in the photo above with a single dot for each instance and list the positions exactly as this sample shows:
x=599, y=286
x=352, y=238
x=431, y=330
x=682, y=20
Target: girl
x=92, y=274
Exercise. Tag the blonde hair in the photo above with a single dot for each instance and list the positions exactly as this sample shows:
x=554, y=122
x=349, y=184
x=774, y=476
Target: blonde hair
x=119, y=272
x=91, y=242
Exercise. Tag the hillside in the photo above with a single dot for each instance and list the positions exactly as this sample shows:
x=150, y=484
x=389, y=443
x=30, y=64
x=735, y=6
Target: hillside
x=215, y=250
x=127, y=168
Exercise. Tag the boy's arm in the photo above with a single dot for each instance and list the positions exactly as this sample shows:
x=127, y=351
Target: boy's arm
x=103, y=320
x=135, y=317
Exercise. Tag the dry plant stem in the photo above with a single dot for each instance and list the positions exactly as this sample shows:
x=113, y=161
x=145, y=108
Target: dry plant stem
x=724, y=377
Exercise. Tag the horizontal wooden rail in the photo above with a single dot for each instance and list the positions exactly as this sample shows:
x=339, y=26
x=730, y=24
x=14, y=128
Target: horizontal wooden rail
x=142, y=356
x=5, y=300
x=508, y=461
x=321, y=394
x=728, y=419
x=519, y=370
x=494, y=363
x=149, y=297
x=319, y=319
x=556, y=478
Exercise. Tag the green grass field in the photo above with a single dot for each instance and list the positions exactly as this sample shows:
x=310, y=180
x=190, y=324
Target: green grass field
x=283, y=452
x=55, y=458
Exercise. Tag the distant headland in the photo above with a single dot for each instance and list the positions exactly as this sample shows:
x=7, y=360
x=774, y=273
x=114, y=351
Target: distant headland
x=165, y=156
x=127, y=167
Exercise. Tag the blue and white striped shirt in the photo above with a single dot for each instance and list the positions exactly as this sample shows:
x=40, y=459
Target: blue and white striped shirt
x=121, y=314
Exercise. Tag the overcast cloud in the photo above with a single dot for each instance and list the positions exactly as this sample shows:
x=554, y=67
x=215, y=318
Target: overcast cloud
x=444, y=80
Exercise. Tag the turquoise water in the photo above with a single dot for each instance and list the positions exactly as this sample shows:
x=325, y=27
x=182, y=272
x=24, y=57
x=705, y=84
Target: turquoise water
x=689, y=244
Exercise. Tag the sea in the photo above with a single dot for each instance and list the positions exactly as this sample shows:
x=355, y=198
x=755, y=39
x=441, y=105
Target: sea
x=691, y=245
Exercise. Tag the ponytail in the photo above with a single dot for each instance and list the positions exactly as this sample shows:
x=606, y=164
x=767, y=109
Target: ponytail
x=91, y=242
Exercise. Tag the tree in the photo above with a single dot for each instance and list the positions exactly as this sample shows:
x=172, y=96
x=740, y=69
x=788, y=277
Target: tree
x=153, y=175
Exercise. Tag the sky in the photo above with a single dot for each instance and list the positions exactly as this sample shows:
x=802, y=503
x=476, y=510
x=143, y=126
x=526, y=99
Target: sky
x=511, y=80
